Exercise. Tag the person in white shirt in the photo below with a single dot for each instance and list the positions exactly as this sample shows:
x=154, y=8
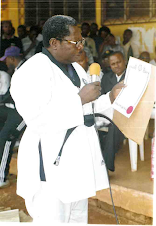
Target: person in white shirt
x=30, y=42
x=130, y=48
x=90, y=43
x=50, y=94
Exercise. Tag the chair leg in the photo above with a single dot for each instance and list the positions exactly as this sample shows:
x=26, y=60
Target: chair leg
x=133, y=155
x=141, y=147
x=147, y=133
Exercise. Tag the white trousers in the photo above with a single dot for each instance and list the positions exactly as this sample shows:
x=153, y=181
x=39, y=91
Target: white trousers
x=45, y=207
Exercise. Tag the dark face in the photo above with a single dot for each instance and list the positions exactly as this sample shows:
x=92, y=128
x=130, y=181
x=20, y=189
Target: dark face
x=127, y=36
x=21, y=33
x=33, y=35
x=93, y=29
x=117, y=64
x=85, y=30
x=105, y=62
x=66, y=52
x=111, y=40
x=7, y=28
x=104, y=34
x=10, y=62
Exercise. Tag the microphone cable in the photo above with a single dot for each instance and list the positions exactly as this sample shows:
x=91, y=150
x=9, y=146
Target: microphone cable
x=104, y=116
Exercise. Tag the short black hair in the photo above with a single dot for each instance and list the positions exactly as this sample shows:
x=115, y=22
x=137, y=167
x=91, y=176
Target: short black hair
x=94, y=24
x=7, y=22
x=117, y=52
x=23, y=27
x=57, y=27
x=128, y=30
x=107, y=53
x=85, y=24
x=104, y=28
x=34, y=28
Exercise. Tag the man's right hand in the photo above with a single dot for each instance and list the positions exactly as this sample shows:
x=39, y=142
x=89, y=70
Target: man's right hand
x=90, y=92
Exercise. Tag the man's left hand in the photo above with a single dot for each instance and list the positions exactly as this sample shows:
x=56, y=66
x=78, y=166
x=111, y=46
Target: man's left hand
x=116, y=90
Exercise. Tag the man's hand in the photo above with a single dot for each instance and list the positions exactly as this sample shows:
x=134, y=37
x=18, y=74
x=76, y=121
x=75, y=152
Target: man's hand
x=90, y=92
x=116, y=90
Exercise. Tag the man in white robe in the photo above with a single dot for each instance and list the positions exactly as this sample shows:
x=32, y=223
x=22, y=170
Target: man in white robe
x=51, y=96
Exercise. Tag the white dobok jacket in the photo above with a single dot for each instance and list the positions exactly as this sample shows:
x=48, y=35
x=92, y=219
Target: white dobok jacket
x=49, y=104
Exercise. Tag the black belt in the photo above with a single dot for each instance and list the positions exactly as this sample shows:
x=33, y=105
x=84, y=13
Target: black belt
x=88, y=121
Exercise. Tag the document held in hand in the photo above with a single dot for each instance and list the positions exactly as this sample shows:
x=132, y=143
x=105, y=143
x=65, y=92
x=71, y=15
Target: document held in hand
x=137, y=77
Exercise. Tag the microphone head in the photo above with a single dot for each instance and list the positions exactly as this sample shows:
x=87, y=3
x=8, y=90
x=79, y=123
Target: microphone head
x=94, y=69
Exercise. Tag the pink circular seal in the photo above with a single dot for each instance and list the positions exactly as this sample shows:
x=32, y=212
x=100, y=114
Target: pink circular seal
x=129, y=110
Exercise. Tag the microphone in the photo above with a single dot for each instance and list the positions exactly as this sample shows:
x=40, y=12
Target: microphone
x=94, y=71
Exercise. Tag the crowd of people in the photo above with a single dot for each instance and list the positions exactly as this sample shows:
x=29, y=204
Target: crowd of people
x=93, y=45
x=98, y=42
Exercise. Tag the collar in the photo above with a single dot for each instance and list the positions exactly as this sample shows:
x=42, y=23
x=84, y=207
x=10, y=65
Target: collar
x=63, y=68
x=119, y=76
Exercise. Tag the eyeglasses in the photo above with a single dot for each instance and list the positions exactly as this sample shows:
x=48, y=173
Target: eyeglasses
x=77, y=43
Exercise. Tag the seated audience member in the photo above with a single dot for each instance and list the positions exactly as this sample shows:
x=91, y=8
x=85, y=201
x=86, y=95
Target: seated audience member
x=89, y=55
x=12, y=53
x=103, y=34
x=111, y=142
x=94, y=35
x=130, y=48
x=13, y=125
x=112, y=45
x=153, y=61
x=117, y=73
x=89, y=42
x=8, y=38
x=40, y=27
x=105, y=61
x=22, y=32
x=30, y=42
x=145, y=56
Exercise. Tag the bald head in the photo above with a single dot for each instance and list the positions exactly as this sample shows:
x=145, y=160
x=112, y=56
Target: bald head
x=145, y=56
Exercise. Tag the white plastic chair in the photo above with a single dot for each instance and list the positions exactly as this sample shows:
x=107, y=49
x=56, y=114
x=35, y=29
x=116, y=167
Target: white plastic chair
x=134, y=153
x=133, y=148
